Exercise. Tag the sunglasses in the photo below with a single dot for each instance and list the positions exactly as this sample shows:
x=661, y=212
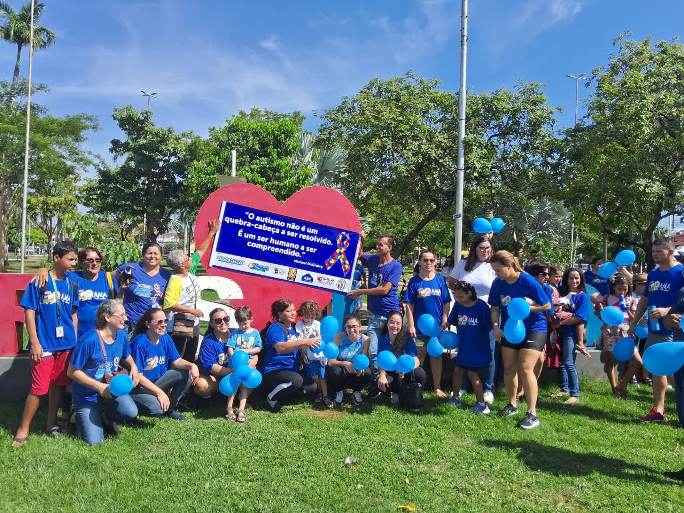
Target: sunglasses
x=160, y=322
x=93, y=260
x=353, y=327
x=221, y=320
x=543, y=274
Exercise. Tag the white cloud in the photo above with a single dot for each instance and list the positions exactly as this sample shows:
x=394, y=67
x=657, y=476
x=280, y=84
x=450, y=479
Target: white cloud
x=537, y=16
x=271, y=43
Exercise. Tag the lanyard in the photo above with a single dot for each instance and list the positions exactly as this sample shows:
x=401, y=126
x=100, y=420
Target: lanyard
x=104, y=353
x=58, y=299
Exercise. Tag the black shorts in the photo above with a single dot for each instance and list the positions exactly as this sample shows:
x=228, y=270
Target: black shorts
x=535, y=340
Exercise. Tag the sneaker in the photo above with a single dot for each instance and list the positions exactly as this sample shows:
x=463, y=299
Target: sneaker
x=55, y=432
x=327, y=402
x=648, y=382
x=456, y=401
x=357, y=398
x=274, y=406
x=175, y=415
x=394, y=398
x=481, y=409
x=653, y=416
x=509, y=410
x=339, y=397
x=529, y=421
x=489, y=397
x=462, y=392
x=634, y=382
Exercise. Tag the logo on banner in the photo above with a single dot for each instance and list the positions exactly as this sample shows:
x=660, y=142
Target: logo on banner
x=292, y=274
x=258, y=267
x=307, y=278
x=341, y=284
x=340, y=254
x=325, y=281
x=228, y=260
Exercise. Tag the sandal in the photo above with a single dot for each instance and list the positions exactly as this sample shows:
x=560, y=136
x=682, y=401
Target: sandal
x=559, y=394
x=55, y=432
x=231, y=415
x=18, y=442
x=241, y=416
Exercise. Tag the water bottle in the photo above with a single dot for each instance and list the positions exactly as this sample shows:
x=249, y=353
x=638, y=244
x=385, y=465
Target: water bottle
x=653, y=324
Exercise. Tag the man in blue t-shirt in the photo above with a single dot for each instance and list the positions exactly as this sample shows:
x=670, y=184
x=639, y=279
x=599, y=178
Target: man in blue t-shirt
x=592, y=278
x=51, y=323
x=662, y=287
x=384, y=273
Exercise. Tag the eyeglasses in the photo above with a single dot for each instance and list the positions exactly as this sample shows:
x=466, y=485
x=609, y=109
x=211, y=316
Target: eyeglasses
x=353, y=327
x=543, y=274
x=221, y=320
x=429, y=260
x=160, y=322
x=121, y=316
x=93, y=260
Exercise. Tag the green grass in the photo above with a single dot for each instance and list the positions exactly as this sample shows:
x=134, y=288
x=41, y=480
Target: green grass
x=591, y=457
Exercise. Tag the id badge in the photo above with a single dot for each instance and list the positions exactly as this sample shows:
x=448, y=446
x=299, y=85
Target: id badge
x=59, y=331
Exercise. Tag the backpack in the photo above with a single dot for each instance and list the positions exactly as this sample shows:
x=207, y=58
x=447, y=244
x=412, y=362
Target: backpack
x=411, y=396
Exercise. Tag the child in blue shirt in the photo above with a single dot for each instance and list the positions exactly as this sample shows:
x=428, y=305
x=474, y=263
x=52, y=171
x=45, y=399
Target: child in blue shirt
x=314, y=362
x=246, y=339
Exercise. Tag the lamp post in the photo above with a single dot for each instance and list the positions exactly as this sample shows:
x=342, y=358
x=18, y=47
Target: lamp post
x=576, y=78
x=149, y=95
x=460, y=163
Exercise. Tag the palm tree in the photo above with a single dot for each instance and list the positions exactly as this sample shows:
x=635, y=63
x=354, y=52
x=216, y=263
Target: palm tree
x=326, y=163
x=16, y=30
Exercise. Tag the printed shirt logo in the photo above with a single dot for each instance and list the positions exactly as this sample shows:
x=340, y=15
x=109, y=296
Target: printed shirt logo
x=426, y=292
x=50, y=297
x=88, y=295
x=658, y=286
x=153, y=361
x=464, y=320
x=245, y=341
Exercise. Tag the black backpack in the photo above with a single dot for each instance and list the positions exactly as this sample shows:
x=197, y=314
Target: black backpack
x=411, y=396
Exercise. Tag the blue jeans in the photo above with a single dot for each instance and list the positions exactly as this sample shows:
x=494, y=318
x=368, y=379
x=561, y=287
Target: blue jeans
x=568, y=374
x=679, y=395
x=175, y=382
x=89, y=420
x=376, y=324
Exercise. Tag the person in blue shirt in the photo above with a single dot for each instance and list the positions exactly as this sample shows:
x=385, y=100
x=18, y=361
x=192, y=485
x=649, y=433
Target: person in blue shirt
x=97, y=357
x=384, y=273
x=162, y=370
x=519, y=359
x=662, y=287
x=282, y=359
x=472, y=319
x=51, y=323
x=395, y=338
x=213, y=359
x=145, y=283
x=572, y=332
x=340, y=371
x=247, y=339
x=592, y=278
x=427, y=293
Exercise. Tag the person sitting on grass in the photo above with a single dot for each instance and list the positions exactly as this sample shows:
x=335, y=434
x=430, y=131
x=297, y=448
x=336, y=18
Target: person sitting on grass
x=52, y=324
x=341, y=372
x=471, y=317
x=213, y=359
x=94, y=362
x=314, y=362
x=395, y=338
x=162, y=368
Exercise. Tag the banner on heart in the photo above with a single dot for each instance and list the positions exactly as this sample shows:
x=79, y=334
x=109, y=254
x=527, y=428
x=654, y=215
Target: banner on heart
x=284, y=248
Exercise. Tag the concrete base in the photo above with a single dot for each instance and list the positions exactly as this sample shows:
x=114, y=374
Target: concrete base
x=15, y=377
x=590, y=368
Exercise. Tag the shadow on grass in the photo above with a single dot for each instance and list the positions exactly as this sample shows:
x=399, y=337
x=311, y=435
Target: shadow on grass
x=563, y=462
x=586, y=411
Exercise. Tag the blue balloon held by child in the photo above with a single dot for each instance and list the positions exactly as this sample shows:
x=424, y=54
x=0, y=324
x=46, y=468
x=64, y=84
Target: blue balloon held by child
x=625, y=257
x=121, y=384
x=253, y=380
x=240, y=357
x=330, y=326
x=641, y=331
x=242, y=371
x=612, y=316
x=607, y=270
x=514, y=331
x=434, y=348
x=497, y=224
x=229, y=384
x=428, y=325
x=481, y=225
x=360, y=362
x=331, y=350
x=623, y=350
x=518, y=309
x=386, y=360
x=448, y=339
x=405, y=364
x=664, y=358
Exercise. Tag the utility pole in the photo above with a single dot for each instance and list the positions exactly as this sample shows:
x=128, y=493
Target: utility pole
x=573, y=232
x=460, y=164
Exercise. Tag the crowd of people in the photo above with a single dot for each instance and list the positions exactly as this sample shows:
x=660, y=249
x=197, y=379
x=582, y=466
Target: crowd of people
x=87, y=326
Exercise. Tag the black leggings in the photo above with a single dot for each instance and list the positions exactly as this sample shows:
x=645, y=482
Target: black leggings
x=418, y=375
x=339, y=379
x=280, y=384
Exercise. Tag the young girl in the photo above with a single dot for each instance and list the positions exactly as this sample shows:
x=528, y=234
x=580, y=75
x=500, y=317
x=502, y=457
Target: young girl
x=471, y=317
x=314, y=362
x=341, y=372
x=247, y=339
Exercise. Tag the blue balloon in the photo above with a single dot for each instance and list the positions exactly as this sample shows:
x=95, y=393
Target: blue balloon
x=481, y=225
x=664, y=358
x=331, y=350
x=405, y=364
x=623, y=350
x=607, y=270
x=242, y=372
x=612, y=316
x=330, y=326
x=240, y=357
x=625, y=257
x=360, y=362
x=518, y=309
x=448, y=339
x=229, y=384
x=497, y=224
x=386, y=360
x=641, y=331
x=253, y=380
x=121, y=384
x=434, y=348
x=514, y=331
x=428, y=325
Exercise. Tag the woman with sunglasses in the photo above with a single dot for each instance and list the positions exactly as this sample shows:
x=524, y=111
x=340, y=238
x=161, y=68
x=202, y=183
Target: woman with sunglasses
x=341, y=373
x=162, y=370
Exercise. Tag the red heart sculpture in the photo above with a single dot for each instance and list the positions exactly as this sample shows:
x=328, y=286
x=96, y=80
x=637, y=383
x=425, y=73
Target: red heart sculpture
x=316, y=204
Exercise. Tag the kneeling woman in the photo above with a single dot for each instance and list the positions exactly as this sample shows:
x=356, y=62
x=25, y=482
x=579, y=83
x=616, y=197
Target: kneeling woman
x=162, y=369
x=96, y=357
x=340, y=372
x=395, y=338
x=282, y=359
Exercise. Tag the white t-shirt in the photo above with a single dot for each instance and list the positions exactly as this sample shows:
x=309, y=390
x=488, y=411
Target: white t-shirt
x=481, y=277
x=312, y=330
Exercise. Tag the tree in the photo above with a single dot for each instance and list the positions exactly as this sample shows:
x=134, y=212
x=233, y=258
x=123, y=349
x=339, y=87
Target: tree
x=327, y=163
x=16, y=30
x=399, y=136
x=625, y=163
x=267, y=144
x=51, y=201
x=149, y=183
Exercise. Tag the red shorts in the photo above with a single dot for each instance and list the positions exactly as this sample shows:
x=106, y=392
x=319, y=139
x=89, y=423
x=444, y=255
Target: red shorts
x=51, y=370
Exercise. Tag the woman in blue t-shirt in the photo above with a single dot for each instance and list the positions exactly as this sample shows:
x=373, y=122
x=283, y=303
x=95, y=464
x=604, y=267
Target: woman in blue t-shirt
x=519, y=359
x=282, y=358
x=340, y=371
x=213, y=359
x=395, y=338
x=162, y=369
x=96, y=358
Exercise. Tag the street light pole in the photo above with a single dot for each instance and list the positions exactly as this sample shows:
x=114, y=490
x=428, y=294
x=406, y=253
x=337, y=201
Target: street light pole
x=573, y=235
x=460, y=163
x=152, y=94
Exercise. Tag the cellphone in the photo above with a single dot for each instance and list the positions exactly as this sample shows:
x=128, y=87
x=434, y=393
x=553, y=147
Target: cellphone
x=127, y=275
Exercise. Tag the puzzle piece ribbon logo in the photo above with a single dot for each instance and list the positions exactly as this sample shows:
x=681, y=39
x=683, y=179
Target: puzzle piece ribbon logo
x=340, y=253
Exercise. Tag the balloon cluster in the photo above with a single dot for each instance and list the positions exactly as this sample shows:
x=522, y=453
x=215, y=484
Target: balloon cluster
x=514, y=329
x=624, y=257
x=330, y=326
x=242, y=374
x=483, y=225
x=664, y=358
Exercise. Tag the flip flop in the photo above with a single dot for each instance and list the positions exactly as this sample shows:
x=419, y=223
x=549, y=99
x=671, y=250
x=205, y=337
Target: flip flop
x=231, y=415
x=18, y=442
x=241, y=416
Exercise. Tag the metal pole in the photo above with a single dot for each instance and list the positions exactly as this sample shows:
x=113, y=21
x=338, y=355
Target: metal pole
x=233, y=165
x=576, y=78
x=26, y=149
x=576, y=100
x=460, y=164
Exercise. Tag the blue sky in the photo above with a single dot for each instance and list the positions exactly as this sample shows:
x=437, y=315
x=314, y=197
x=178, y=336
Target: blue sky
x=209, y=59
